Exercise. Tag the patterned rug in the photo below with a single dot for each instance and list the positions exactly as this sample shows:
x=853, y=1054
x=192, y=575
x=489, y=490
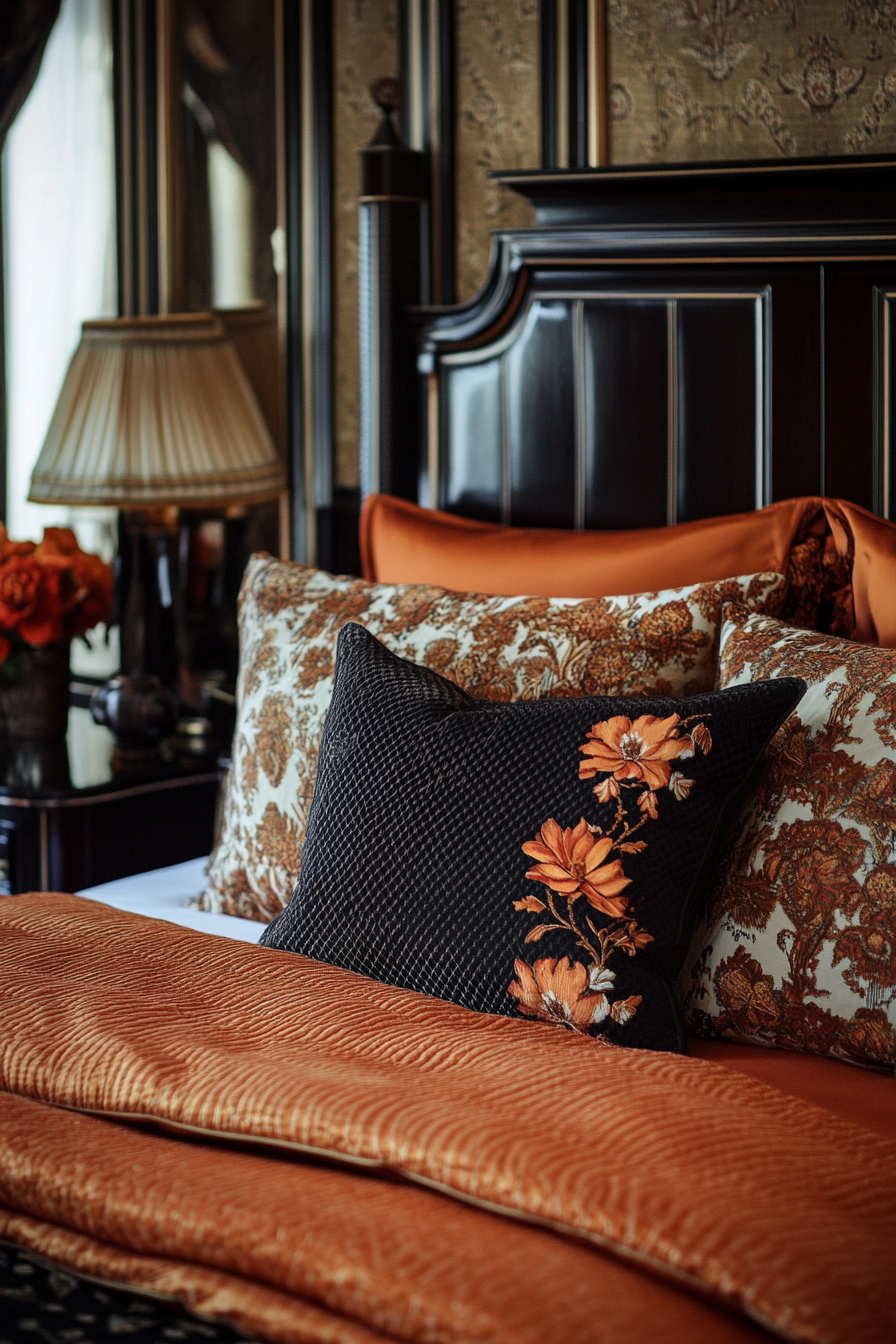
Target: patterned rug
x=44, y=1304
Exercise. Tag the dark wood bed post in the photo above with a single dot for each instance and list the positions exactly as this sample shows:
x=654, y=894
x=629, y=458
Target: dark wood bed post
x=390, y=281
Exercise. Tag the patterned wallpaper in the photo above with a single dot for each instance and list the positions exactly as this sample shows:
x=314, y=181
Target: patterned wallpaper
x=734, y=79
x=497, y=125
x=365, y=46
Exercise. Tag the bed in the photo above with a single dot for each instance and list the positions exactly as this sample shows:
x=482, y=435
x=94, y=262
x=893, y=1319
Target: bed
x=308, y=1147
x=170, y=894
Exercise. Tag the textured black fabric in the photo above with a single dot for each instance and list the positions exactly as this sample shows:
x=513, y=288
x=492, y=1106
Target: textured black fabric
x=413, y=858
x=45, y=1303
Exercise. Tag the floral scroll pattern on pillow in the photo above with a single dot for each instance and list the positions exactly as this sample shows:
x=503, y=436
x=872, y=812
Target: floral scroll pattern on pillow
x=801, y=952
x=499, y=648
x=582, y=880
x=819, y=595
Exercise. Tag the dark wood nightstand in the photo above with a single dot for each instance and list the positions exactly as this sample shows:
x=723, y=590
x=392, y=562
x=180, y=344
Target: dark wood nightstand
x=67, y=821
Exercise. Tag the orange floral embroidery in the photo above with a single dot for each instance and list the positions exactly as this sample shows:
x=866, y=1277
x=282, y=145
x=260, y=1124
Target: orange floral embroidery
x=557, y=991
x=574, y=861
x=679, y=786
x=571, y=861
x=647, y=804
x=629, y=938
x=623, y=1010
x=639, y=751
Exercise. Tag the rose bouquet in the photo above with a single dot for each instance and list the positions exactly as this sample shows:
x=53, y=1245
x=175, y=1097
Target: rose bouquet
x=49, y=591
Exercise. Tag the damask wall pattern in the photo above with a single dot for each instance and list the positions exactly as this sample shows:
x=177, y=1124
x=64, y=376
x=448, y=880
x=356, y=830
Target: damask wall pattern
x=735, y=79
x=365, y=46
x=497, y=124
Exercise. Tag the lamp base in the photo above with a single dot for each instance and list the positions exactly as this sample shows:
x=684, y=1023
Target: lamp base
x=147, y=593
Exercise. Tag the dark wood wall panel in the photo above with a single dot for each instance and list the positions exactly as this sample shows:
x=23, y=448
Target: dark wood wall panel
x=539, y=418
x=473, y=477
x=717, y=384
x=796, y=453
x=885, y=397
x=848, y=416
x=624, y=361
x=850, y=300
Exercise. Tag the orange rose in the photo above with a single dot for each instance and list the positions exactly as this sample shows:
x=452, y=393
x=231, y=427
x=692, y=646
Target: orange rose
x=52, y=591
x=44, y=623
x=85, y=591
x=8, y=547
x=60, y=541
x=21, y=578
x=93, y=603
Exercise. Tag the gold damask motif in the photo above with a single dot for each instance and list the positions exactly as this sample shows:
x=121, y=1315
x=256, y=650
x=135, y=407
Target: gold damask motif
x=742, y=79
x=497, y=125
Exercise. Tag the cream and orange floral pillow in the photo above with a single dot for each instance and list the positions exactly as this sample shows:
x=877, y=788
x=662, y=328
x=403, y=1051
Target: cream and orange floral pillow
x=500, y=648
x=800, y=951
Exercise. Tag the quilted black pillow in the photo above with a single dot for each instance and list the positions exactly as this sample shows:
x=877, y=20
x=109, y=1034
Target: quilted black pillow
x=541, y=857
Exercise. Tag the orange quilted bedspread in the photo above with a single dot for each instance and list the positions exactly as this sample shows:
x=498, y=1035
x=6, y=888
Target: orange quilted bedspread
x=326, y=1158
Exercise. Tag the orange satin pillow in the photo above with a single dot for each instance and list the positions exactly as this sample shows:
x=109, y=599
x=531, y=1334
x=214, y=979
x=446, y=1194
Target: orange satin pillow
x=869, y=543
x=403, y=543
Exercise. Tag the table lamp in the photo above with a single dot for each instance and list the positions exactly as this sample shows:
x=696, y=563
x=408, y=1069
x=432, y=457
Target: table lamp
x=155, y=413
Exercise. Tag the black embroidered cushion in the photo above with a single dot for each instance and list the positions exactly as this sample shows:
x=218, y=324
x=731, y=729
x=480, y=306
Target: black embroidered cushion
x=540, y=857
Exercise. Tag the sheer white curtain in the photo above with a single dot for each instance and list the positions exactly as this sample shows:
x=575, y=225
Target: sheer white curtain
x=59, y=246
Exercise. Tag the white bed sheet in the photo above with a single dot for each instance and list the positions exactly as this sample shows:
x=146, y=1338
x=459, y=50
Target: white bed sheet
x=161, y=894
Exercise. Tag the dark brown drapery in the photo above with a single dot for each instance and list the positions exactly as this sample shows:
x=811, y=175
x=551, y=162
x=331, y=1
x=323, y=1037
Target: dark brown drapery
x=25, y=26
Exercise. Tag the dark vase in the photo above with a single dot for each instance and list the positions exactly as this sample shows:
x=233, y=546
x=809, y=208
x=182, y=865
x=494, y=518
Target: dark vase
x=34, y=692
x=139, y=710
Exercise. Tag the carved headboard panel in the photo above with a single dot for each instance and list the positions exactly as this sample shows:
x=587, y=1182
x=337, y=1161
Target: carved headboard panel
x=666, y=345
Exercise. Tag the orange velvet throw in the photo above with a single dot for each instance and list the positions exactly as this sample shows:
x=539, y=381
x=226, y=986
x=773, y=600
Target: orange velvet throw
x=692, y=1202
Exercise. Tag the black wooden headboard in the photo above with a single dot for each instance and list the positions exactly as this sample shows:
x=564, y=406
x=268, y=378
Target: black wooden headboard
x=664, y=345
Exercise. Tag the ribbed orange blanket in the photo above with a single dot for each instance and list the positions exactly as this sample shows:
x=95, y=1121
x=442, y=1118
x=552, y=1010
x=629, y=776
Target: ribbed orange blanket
x=691, y=1201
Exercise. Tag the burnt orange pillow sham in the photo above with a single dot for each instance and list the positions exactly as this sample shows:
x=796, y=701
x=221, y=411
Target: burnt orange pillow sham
x=868, y=543
x=403, y=543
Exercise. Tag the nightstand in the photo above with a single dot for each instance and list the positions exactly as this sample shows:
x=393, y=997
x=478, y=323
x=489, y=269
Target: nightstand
x=67, y=821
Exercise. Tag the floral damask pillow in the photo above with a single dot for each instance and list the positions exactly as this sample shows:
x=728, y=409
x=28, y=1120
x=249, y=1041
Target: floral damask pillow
x=801, y=947
x=500, y=648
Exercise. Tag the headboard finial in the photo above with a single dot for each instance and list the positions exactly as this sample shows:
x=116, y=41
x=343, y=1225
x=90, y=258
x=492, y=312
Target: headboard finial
x=386, y=93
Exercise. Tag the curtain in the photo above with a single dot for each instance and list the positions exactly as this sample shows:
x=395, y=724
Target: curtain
x=24, y=28
x=59, y=243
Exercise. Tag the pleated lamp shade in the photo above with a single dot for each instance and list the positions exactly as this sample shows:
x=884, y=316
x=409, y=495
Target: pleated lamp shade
x=153, y=411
